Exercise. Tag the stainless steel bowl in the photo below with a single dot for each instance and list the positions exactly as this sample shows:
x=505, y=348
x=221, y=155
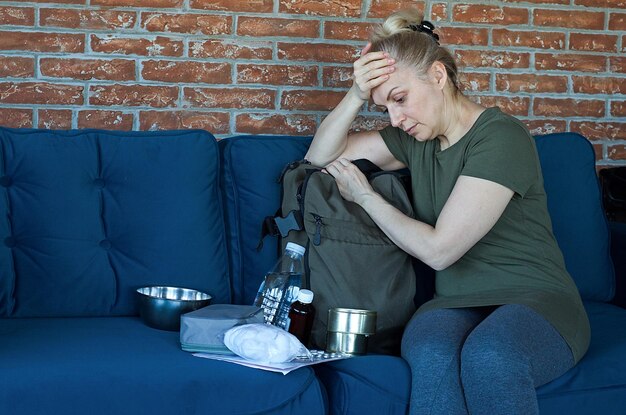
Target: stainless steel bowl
x=160, y=307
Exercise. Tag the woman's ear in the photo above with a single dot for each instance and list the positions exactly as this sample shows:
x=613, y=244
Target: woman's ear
x=439, y=74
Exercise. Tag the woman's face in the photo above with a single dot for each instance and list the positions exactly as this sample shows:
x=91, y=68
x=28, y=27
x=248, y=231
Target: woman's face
x=414, y=105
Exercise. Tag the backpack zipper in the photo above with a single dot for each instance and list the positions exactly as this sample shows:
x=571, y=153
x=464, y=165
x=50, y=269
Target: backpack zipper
x=317, y=238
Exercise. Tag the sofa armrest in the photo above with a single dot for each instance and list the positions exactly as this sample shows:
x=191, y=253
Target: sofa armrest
x=618, y=254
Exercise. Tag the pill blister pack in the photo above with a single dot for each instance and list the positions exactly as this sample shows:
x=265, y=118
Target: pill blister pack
x=319, y=356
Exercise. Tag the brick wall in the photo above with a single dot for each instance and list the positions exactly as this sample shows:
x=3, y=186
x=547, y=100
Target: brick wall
x=278, y=66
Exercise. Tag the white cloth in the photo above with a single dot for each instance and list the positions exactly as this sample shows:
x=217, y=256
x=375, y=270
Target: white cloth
x=264, y=343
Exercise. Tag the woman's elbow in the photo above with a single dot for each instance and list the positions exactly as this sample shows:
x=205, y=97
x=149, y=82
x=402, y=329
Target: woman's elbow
x=438, y=264
x=440, y=258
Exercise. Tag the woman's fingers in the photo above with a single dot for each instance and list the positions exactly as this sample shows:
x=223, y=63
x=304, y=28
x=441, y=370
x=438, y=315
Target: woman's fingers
x=371, y=70
x=374, y=68
x=366, y=48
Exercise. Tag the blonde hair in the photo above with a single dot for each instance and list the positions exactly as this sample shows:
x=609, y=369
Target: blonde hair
x=400, y=37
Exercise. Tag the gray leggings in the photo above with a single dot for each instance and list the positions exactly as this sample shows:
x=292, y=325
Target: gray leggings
x=481, y=360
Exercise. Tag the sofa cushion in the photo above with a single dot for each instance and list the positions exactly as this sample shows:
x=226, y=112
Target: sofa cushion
x=251, y=168
x=371, y=384
x=575, y=205
x=88, y=216
x=117, y=365
x=597, y=385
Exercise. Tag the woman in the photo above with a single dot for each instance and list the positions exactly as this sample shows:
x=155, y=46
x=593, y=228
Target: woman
x=506, y=316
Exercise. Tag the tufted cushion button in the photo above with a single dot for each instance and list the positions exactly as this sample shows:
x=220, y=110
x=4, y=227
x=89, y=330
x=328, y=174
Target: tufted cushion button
x=10, y=242
x=6, y=181
x=99, y=183
x=105, y=244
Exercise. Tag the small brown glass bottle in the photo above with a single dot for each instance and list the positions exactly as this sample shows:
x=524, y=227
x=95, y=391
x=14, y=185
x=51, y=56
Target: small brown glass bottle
x=301, y=315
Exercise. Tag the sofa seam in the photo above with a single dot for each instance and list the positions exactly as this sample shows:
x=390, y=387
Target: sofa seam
x=369, y=383
x=581, y=391
x=299, y=393
x=12, y=305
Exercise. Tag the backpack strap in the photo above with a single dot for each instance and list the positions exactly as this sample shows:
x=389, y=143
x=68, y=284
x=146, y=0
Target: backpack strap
x=367, y=167
x=278, y=225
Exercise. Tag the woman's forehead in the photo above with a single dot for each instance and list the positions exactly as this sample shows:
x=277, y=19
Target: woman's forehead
x=399, y=79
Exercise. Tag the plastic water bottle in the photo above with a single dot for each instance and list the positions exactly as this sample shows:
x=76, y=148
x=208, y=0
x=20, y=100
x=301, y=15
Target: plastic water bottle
x=281, y=286
x=301, y=315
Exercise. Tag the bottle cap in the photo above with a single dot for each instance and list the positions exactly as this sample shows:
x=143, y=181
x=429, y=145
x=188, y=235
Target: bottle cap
x=305, y=296
x=295, y=248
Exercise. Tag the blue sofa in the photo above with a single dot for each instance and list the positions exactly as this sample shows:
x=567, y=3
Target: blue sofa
x=88, y=216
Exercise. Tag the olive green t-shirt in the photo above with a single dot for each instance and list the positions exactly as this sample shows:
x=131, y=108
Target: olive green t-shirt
x=518, y=261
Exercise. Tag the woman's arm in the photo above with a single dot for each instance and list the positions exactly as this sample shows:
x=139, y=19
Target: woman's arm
x=473, y=208
x=331, y=139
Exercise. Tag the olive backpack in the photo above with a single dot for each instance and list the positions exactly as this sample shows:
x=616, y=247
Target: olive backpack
x=349, y=261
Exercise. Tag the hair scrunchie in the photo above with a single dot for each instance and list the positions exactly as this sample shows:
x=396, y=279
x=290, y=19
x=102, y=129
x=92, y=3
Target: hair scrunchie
x=425, y=27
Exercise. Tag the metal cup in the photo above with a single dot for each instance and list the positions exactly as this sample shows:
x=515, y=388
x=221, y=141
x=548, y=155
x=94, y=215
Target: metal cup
x=348, y=330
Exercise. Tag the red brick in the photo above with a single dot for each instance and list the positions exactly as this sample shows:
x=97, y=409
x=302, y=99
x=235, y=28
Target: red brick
x=568, y=107
x=87, y=19
x=541, y=1
x=337, y=76
x=599, y=85
x=109, y=120
x=530, y=83
x=537, y=127
x=52, y=119
x=569, y=18
x=230, y=49
x=342, y=8
x=570, y=62
x=186, y=71
x=368, y=123
x=598, y=149
x=159, y=46
x=256, y=6
x=86, y=69
x=481, y=13
x=283, y=124
x=40, y=93
x=347, y=30
x=206, y=24
x=617, y=21
x=138, y=3
x=518, y=106
x=616, y=151
x=253, y=26
x=463, y=36
x=309, y=100
x=22, y=16
x=16, y=117
x=318, y=52
x=531, y=39
x=482, y=58
x=383, y=8
x=617, y=64
x=439, y=11
x=16, y=67
x=594, y=130
x=618, y=108
x=277, y=74
x=42, y=42
x=133, y=95
x=229, y=98
x=214, y=122
x=60, y=1
x=474, y=81
x=601, y=3
x=593, y=42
